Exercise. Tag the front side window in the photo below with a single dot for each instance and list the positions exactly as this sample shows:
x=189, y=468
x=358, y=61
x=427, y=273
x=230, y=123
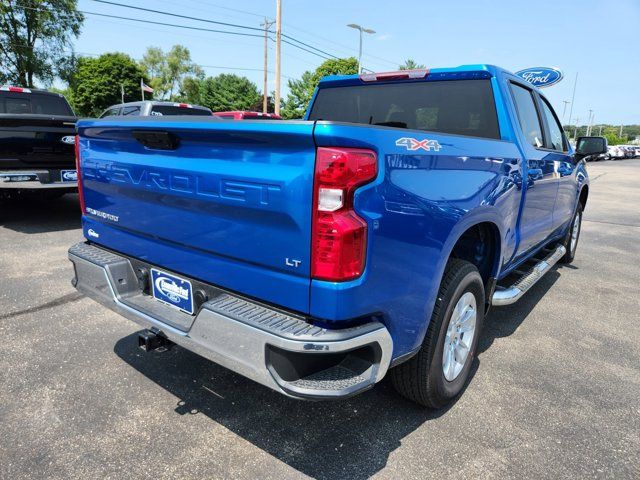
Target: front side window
x=110, y=112
x=556, y=137
x=527, y=115
x=460, y=107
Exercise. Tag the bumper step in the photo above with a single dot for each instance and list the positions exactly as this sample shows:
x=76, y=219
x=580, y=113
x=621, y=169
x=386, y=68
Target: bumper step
x=279, y=349
x=507, y=296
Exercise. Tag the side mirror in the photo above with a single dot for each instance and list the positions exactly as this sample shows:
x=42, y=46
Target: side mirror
x=586, y=146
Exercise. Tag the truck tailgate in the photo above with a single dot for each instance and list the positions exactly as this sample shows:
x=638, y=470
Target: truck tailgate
x=36, y=141
x=225, y=197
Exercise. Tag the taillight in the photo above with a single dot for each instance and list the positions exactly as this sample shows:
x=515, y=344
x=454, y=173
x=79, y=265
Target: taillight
x=339, y=235
x=79, y=174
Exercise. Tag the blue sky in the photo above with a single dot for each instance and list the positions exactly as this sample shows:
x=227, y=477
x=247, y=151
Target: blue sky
x=598, y=39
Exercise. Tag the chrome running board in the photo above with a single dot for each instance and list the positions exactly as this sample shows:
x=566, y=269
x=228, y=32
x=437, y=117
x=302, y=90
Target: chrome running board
x=507, y=296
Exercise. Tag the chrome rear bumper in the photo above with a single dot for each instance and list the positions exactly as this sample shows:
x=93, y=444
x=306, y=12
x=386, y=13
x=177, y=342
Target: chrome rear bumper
x=33, y=180
x=275, y=348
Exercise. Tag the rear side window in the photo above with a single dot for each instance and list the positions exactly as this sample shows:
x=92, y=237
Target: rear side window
x=171, y=110
x=556, y=137
x=33, y=103
x=527, y=115
x=131, y=111
x=461, y=107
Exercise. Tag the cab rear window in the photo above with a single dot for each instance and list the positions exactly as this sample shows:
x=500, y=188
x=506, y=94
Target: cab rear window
x=171, y=110
x=15, y=103
x=460, y=107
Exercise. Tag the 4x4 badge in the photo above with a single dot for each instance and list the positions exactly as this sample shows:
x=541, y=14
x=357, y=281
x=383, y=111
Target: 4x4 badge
x=413, y=144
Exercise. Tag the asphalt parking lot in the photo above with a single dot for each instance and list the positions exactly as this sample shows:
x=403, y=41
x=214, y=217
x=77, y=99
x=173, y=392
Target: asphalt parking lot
x=555, y=391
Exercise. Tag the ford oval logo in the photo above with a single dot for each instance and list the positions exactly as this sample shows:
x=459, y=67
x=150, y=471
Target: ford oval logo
x=69, y=139
x=540, y=76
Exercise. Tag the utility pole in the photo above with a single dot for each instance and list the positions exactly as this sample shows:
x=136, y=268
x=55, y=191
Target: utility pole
x=573, y=97
x=265, y=94
x=600, y=131
x=620, y=131
x=575, y=132
x=276, y=100
x=590, y=121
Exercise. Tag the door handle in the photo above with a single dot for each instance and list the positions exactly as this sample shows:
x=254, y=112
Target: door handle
x=535, y=174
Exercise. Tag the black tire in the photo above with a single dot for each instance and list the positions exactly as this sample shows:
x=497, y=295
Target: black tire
x=421, y=379
x=571, y=251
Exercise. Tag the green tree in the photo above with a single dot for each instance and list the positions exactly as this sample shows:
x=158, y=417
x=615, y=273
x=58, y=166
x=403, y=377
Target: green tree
x=34, y=38
x=169, y=71
x=97, y=82
x=301, y=91
x=613, y=139
x=228, y=92
x=410, y=64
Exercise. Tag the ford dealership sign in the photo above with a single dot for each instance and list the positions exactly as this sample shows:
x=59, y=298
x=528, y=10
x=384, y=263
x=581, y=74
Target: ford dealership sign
x=541, y=76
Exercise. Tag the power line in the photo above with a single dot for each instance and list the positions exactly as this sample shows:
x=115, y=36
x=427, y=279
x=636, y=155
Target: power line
x=234, y=25
x=288, y=40
x=227, y=32
x=288, y=25
x=179, y=16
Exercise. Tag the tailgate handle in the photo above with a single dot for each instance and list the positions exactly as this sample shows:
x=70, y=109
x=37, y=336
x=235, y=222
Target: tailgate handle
x=156, y=139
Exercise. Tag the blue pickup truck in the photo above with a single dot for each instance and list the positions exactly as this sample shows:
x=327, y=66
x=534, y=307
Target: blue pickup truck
x=316, y=256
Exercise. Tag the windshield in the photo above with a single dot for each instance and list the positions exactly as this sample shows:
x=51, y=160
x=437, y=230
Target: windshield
x=461, y=107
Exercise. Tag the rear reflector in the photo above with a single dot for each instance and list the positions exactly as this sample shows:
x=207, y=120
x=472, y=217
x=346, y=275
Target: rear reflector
x=339, y=235
x=399, y=75
x=79, y=175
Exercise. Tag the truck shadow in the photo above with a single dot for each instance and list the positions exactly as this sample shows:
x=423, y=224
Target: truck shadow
x=351, y=438
x=40, y=216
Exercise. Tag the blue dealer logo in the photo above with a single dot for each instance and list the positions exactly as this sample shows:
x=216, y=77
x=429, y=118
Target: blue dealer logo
x=540, y=76
x=173, y=290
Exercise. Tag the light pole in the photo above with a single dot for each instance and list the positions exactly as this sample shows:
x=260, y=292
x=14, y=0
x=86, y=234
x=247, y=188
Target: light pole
x=590, y=122
x=564, y=110
x=573, y=97
x=365, y=30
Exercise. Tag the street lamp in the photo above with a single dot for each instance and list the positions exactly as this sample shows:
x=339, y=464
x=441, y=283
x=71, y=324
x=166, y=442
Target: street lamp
x=365, y=30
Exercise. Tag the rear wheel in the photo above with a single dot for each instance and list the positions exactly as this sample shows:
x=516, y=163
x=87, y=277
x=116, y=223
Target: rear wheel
x=439, y=371
x=573, y=235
